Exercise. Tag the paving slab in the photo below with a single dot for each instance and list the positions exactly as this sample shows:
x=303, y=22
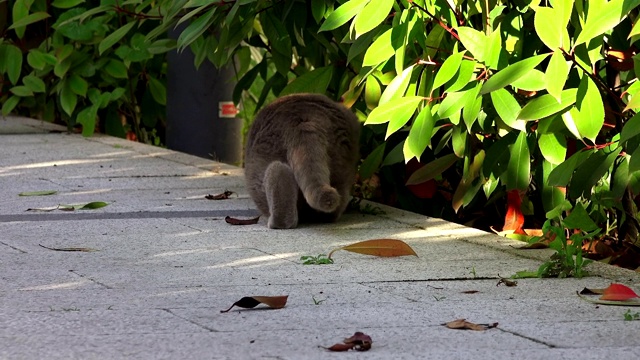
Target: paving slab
x=160, y=263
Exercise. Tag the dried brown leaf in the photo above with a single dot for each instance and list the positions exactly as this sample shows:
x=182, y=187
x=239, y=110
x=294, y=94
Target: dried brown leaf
x=379, y=247
x=470, y=292
x=463, y=324
x=587, y=291
x=359, y=342
x=248, y=302
x=78, y=249
x=507, y=282
x=234, y=221
x=222, y=196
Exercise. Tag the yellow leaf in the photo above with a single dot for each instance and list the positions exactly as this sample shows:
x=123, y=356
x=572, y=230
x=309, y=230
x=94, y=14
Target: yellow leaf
x=379, y=247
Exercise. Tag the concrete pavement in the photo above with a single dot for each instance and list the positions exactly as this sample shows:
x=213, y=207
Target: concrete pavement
x=167, y=263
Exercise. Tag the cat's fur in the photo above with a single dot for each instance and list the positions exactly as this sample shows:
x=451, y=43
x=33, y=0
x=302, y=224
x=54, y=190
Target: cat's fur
x=300, y=159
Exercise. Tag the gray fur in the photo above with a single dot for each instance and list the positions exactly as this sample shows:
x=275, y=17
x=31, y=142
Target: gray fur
x=300, y=159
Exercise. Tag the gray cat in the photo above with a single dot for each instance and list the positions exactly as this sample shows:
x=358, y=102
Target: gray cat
x=300, y=160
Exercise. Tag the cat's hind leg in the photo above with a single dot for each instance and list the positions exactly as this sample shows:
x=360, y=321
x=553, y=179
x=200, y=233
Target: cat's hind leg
x=281, y=190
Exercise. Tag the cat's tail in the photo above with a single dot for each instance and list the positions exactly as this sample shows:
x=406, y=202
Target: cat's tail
x=310, y=164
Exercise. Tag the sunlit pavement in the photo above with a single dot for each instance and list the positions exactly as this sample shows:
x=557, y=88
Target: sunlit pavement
x=151, y=271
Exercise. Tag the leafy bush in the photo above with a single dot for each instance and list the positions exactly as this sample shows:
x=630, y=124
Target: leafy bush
x=507, y=108
x=528, y=98
x=79, y=61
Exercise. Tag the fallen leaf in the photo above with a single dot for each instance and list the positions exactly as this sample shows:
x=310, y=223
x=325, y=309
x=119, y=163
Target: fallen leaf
x=514, y=219
x=359, y=342
x=79, y=249
x=38, y=193
x=470, y=292
x=222, y=196
x=234, y=221
x=630, y=302
x=92, y=205
x=248, y=302
x=463, y=324
x=535, y=245
x=587, y=291
x=507, y=282
x=64, y=207
x=618, y=292
x=379, y=247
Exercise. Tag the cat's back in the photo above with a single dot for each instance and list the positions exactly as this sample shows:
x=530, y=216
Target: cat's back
x=278, y=121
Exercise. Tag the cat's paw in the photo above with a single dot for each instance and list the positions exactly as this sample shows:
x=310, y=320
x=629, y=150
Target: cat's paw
x=325, y=199
x=284, y=222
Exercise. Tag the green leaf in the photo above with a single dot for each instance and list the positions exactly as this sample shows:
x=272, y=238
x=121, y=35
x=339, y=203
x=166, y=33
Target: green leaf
x=10, y=104
x=384, y=47
x=561, y=175
x=114, y=37
x=553, y=147
x=342, y=14
x=29, y=19
x=550, y=28
x=13, y=62
x=397, y=87
x=34, y=83
x=35, y=59
x=602, y=17
x=401, y=108
x=432, y=169
x=631, y=128
x=474, y=41
x=318, y=9
x=372, y=15
x=316, y=81
x=531, y=81
x=61, y=68
x=68, y=99
x=588, y=114
x=38, y=193
x=116, y=68
x=21, y=90
x=551, y=195
x=94, y=205
x=519, y=168
x=372, y=92
x=579, y=219
x=452, y=104
x=511, y=73
x=508, y=109
x=420, y=133
x=66, y=4
x=372, y=162
x=87, y=118
x=461, y=77
x=591, y=171
x=196, y=28
x=158, y=90
x=448, y=70
x=78, y=85
x=547, y=105
x=556, y=75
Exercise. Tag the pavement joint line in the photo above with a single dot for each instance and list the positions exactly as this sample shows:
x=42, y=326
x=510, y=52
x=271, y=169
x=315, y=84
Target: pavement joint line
x=126, y=215
x=190, y=321
x=90, y=279
x=551, y=346
x=13, y=247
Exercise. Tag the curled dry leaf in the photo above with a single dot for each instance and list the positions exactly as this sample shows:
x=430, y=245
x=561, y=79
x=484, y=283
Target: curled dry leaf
x=234, y=221
x=587, y=291
x=507, y=282
x=470, y=292
x=79, y=249
x=359, y=342
x=463, y=324
x=379, y=247
x=222, y=196
x=248, y=302
x=38, y=193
